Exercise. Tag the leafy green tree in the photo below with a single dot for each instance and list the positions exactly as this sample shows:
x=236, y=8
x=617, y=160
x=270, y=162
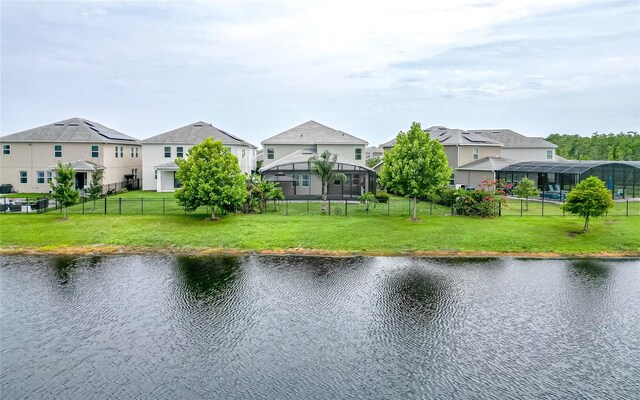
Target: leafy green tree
x=63, y=187
x=324, y=166
x=526, y=188
x=276, y=195
x=367, y=199
x=373, y=161
x=95, y=186
x=260, y=191
x=211, y=177
x=589, y=198
x=416, y=166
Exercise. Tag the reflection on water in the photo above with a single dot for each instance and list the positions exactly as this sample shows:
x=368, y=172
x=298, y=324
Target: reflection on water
x=318, y=327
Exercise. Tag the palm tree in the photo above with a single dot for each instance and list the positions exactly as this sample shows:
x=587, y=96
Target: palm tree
x=323, y=166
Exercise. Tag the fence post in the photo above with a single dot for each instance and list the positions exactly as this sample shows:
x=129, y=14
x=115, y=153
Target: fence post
x=345, y=208
x=329, y=207
x=627, y=207
x=141, y=205
x=431, y=207
x=499, y=209
x=163, y=205
x=27, y=200
x=388, y=206
x=120, y=205
x=286, y=207
x=105, y=205
x=543, y=203
x=307, y=206
x=83, y=201
x=520, y=208
x=564, y=201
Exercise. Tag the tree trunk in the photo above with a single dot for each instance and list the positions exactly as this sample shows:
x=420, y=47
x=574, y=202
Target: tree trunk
x=586, y=222
x=415, y=204
x=213, y=213
x=65, y=212
x=324, y=196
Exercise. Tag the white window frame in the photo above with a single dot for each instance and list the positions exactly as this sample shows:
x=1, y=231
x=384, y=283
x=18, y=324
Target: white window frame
x=24, y=175
x=306, y=178
x=180, y=152
x=95, y=153
x=134, y=172
x=358, y=154
x=6, y=149
x=49, y=176
x=39, y=177
x=549, y=154
x=476, y=153
x=121, y=151
x=271, y=153
x=116, y=152
x=55, y=151
x=167, y=152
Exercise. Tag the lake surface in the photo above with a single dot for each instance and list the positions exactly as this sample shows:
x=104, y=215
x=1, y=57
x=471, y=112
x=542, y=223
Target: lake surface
x=270, y=327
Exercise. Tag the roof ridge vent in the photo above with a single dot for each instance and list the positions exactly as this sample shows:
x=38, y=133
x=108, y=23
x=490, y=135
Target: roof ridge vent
x=197, y=124
x=59, y=124
x=74, y=124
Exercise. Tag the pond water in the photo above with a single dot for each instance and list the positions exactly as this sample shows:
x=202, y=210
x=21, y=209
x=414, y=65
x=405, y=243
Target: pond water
x=267, y=327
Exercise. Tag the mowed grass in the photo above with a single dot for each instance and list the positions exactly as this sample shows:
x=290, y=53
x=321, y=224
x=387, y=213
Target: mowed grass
x=339, y=233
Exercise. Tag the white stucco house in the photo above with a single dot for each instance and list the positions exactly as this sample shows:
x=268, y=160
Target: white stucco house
x=159, y=153
x=286, y=160
x=29, y=157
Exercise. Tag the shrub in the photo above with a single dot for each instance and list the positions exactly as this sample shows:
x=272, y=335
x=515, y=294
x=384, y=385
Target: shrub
x=382, y=196
x=446, y=196
x=483, y=202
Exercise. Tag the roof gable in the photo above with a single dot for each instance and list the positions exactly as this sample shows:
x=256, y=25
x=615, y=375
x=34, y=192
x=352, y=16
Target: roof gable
x=312, y=132
x=195, y=133
x=70, y=130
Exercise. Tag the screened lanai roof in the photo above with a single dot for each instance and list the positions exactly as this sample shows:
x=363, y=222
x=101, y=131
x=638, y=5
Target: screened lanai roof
x=564, y=167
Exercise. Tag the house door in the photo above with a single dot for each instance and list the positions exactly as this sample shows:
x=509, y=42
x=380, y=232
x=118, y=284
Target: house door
x=81, y=180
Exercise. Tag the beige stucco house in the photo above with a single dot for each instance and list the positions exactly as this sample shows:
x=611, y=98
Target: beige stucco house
x=287, y=154
x=161, y=151
x=29, y=157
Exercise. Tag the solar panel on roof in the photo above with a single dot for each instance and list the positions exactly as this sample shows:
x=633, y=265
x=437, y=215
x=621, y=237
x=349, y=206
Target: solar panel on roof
x=88, y=123
x=475, y=139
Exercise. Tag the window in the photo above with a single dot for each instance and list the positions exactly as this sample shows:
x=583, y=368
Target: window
x=134, y=172
x=475, y=153
x=57, y=150
x=337, y=182
x=6, y=149
x=116, y=151
x=296, y=180
x=452, y=179
x=167, y=152
x=155, y=174
x=179, y=151
x=305, y=180
x=270, y=153
x=121, y=151
x=134, y=152
x=49, y=176
x=358, y=154
x=40, y=176
x=356, y=180
x=549, y=154
x=23, y=177
x=95, y=151
x=244, y=152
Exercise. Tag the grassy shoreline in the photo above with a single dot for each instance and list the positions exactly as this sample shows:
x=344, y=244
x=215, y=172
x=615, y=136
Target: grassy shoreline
x=323, y=235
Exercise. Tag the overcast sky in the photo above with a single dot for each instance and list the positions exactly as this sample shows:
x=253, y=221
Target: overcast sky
x=365, y=67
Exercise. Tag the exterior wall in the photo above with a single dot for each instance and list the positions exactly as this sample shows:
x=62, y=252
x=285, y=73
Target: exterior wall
x=281, y=150
x=345, y=150
x=452, y=155
x=466, y=153
x=33, y=157
x=153, y=155
x=165, y=181
x=472, y=178
x=528, y=154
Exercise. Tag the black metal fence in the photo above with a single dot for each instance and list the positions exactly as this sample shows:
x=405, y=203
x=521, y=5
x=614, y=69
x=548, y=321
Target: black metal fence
x=396, y=206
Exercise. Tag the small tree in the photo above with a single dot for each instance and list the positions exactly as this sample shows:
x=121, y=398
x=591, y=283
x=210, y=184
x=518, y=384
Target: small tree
x=63, y=187
x=373, y=161
x=276, y=194
x=526, y=188
x=324, y=166
x=590, y=198
x=367, y=199
x=416, y=166
x=211, y=177
x=95, y=186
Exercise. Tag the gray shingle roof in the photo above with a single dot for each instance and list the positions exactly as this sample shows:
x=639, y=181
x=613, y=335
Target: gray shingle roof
x=303, y=156
x=312, y=132
x=511, y=139
x=81, y=165
x=487, y=164
x=171, y=165
x=195, y=133
x=70, y=130
x=449, y=137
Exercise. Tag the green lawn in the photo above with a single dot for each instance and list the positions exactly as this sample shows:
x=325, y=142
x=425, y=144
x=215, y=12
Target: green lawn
x=339, y=233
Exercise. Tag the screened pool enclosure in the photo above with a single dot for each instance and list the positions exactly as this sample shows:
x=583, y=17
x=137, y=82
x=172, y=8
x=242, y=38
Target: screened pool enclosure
x=621, y=177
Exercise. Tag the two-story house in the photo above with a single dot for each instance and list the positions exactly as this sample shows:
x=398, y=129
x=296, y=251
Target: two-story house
x=161, y=151
x=287, y=154
x=29, y=157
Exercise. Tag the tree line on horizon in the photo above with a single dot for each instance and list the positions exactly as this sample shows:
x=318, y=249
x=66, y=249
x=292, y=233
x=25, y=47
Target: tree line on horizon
x=608, y=146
